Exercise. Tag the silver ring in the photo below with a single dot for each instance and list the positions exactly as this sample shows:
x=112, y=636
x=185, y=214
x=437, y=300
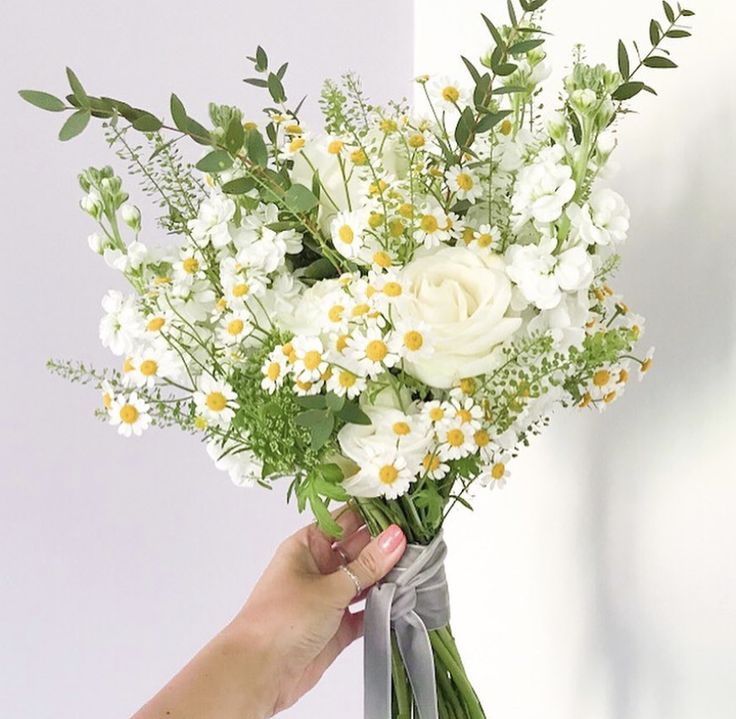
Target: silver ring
x=343, y=556
x=356, y=581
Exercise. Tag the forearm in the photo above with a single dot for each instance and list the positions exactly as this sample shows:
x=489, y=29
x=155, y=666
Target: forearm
x=228, y=679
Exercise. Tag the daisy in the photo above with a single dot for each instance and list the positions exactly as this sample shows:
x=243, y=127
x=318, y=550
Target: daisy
x=336, y=308
x=646, y=364
x=156, y=323
x=234, y=327
x=390, y=475
x=129, y=415
x=215, y=400
x=465, y=411
x=346, y=381
x=108, y=394
x=152, y=363
x=410, y=339
x=433, y=466
x=309, y=363
x=274, y=370
x=306, y=389
x=456, y=440
x=436, y=413
x=464, y=183
x=447, y=94
x=495, y=474
x=485, y=239
x=371, y=351
x=432, y=227
x=347, y=231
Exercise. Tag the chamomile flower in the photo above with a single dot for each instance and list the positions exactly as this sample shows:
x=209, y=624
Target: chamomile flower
x=447, y=94
x=347, y=230
x=646, y=364
x=108, y=394
x=464, y=183
x=306, y=388
x=436, y=413
x=483, y=444
x=433, y=466
x=215, y=400
x=372, y=351
x=456, y=440
x=486, y=239
x=432, y=227
x=346, y=380
x=389, y=476
x=411, y=339
x=234, y=327
x=130, y=415
x=156, y=323
x=188, y=268
x=310, y=363
x=240, y=283
x=465, y=410
x=386, y=288
x=274, y=370
x=495, y=473
x=293, y=144
x=154, y=363
x=335, y=310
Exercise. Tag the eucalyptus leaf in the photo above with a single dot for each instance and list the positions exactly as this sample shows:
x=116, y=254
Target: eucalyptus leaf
x=74, y=125
x=178, y=113
x=312, y=417
x=525, y=46
x=44, y=100
x=299, y=198
x=215, y=161
x=235, y=135
x=146, y=122
x=256, y=147
x=627, y=90
x=668, y=11
x=623, y=60
x=77, y=89
x=334, y=402
x=239, y=186
x=261, y=60
x=352, y=413
x=657, y=61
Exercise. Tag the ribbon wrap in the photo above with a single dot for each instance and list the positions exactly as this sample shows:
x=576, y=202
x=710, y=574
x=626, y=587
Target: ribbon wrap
x=412, y=599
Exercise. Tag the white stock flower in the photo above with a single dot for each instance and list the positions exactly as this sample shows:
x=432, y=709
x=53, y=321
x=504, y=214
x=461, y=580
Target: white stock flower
x=463, y=299
x=542, y=189
x=122, y=324
x=211, y=223
x=542, y=276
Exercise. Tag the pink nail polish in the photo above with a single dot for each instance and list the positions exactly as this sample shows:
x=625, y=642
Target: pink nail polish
x=390, y=539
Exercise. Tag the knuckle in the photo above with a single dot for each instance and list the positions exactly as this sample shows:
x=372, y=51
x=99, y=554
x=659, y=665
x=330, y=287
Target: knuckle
x=369, y=563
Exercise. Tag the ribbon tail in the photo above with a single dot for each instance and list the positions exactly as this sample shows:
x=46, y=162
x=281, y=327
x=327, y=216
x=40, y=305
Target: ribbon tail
x=377, y=652
x=416, y=651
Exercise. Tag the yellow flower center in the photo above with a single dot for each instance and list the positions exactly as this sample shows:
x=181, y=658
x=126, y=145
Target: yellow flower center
x=455, y=438
x=431, y=462
x=413, y=340
x=107, y=400
x=498, y=470
x=200, y=423
x=481, y=438
x=396, y=228
x=388, y=125
x=304, y=386
x=429, y=224
x=341, y=343
x=416, y=140
x=464, y=415
x=155, y=324
x=610, y=397
x=335, y=147
x=190, y=265
x=392, y=289
x=464, y=181
x=358, y=157
x=450, y=93
x=436, y=414
x=468, y=235
x=346, y=379
x=406, y=210
x=506, y=127
x=346, y=234
x=646, y=365
x=382, y=259
x=128, y=414
x=335, y=313
x=241, y=290
x=235, y=327
x=216, y=401
x=623, y=376
x=128, y=365
x=376, y=350
x=601, y=378
x=296, y=144
x=485, y=239
x=401, y=428
x=274, y=371
x=388, y=474
x=467, y=385
x=375, y=219
x=360, y=309
x=293, y=130
x=586, y=400
x=148, y=368
x=312, y=359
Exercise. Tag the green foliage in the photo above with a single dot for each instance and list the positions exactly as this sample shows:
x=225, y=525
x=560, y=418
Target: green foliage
x=43, y=100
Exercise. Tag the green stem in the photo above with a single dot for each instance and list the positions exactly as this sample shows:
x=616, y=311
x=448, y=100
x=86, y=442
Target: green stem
x=402, y=690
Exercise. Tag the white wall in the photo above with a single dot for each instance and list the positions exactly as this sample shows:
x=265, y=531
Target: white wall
x=601, y=582
x=119, y=559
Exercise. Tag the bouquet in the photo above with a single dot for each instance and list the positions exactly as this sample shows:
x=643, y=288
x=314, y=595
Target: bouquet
x=381, y=313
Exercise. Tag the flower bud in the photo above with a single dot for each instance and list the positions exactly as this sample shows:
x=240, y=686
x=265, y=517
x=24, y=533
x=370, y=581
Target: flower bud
x=557, y=127
x=131, y=216
x=95, y=243
x=583, y=100
x=606, y=143
x=91, y=203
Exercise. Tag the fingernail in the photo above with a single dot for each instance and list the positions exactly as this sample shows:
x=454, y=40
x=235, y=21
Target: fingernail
x=390, y=539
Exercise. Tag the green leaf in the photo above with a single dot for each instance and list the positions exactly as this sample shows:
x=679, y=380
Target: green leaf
x=147, y=123
x=464, y=127
x=677, y=33
x=324, y=519
x=334, y=401
x=627, y=90
x=215, y=161
x=282, y=71
x=525, y=46
x=312, y=417
x=77, y=88
x=320, y=433
x=300, y=199
x=668, y=11
x=235, y=135
x=275, y=88
x=512, y=12
x=43, y=100
x=239, y=186
x=504, y=69
x=491, y=120
x=482, y=88
x=659, y=62
x=623, y=60
x=314, y=401
x=256, y=147
x=319, y=269
x=178, y=113
x=655, y=32
x=687, y=13
x=74, y=125
x=353, y=414
x=256, y=81
x=331, y=472
x=261, y=60
x=471, y=68
x=498, y=38
x=198, y=132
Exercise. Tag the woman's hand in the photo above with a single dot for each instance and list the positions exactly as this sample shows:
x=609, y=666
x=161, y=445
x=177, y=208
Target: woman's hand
x=293, y=626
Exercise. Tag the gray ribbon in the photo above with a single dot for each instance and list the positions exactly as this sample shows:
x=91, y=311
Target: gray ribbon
x=412, y=599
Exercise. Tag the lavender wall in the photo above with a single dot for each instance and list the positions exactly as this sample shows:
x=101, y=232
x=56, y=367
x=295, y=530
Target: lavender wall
x=119, y=559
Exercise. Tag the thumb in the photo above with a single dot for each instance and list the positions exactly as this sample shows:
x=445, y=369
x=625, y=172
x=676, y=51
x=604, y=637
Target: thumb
x=374, y=562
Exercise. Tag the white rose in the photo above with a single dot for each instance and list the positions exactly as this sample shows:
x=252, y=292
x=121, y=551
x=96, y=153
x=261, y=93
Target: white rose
x=463, y=298
x=306, y=316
